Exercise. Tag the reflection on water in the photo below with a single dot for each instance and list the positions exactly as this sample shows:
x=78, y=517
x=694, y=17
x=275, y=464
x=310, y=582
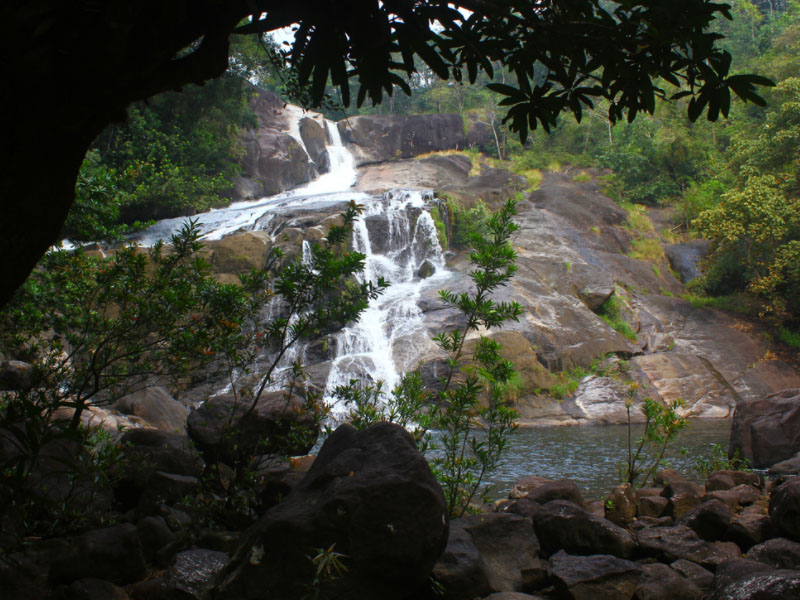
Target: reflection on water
x=589, y=455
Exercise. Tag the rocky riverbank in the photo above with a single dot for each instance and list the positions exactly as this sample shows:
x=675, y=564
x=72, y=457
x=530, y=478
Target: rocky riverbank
x=369, y=505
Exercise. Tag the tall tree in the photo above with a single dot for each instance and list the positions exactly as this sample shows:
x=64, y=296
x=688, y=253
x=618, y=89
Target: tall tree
x=70, y=68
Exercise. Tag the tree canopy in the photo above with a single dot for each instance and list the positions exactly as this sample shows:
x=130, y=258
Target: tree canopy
x=71, y=68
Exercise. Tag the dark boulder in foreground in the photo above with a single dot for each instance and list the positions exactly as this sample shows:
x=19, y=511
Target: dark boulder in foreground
x=767, y=430
x=594, y=577
x=489, y=553
x=227, y=428
x=784, y=509
x=371, y=498
x=562, y=525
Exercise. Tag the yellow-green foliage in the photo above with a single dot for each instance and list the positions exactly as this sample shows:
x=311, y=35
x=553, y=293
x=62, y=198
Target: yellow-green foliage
x=534, y=177
x=611, y=313
x=646, y=249
x=638, y=220
x=441, y=230
x=582, y=177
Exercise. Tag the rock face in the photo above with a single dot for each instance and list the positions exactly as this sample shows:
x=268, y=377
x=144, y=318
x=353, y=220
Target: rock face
x=376, y=138
x=488, y=553
x=274, y=160
x=225, y=428
x=156, y=407
x=369, y=496
x=784, y=509
x=767, y=430
x=685, y=257
x=114, y=554
x=562, y=525
x=593, y=577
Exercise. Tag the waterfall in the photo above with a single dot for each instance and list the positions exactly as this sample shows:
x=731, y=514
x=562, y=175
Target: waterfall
x=397, y=235
x=334, y=186
x=342, y=173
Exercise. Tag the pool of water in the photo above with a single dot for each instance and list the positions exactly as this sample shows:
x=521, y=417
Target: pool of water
x=589, y=455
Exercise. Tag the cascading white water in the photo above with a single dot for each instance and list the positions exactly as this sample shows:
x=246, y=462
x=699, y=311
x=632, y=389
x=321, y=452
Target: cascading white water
x=397, y=235
x=334, y=186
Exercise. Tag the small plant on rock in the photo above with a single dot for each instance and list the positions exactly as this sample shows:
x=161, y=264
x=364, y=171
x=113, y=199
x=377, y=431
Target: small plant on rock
x=661, y=427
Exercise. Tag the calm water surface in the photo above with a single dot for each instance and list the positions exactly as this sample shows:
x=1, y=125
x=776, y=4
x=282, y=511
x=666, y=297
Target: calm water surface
x=589, y=455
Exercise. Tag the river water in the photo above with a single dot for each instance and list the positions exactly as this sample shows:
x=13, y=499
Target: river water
x=589, y=455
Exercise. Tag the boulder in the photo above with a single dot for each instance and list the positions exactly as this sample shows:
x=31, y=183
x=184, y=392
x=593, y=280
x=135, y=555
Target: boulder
x=750, y=527
x=778, y=553
x=786, y=468
x=672, y=543
x=749, y=580
x=725, y=480
x=784, y=509
x=660, y=582
x=480, y=136
x=114, y=554
x=593, y=577
x=489, y=553
x=315, y=140
x=154, y=534
x=685, y=257
x=683, y=496
x=542, y=490
x=150, y=450
x=710, y=520
x=17, y=375
x=239, y=253
x=191, y=576
x=736, y=497
x=426, y=269
x=274, y=160
x=226, y=430
x=376, y=138
x=562, y=525
x=652, y=506
x=94, y=589
x=156, y=407
x=669, y=476
x=621, y=510
x=369, y=496
x=700, y=577
x=767, y=430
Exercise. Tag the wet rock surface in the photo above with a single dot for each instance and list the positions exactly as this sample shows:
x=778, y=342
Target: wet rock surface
x=372, y=495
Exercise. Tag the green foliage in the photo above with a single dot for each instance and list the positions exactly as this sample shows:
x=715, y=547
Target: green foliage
x=791, y=338
x=441, y=230
x=568, y=382
x=175, y=154
x=95, y=214
x=610, y=312
x=469, y=411
x=467, y=223
x=582, y=177
x=96, y=329
x=662, y=424
x=720, y=461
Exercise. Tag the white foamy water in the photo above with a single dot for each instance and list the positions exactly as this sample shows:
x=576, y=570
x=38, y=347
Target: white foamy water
x=332, y=187
x=397, y=235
